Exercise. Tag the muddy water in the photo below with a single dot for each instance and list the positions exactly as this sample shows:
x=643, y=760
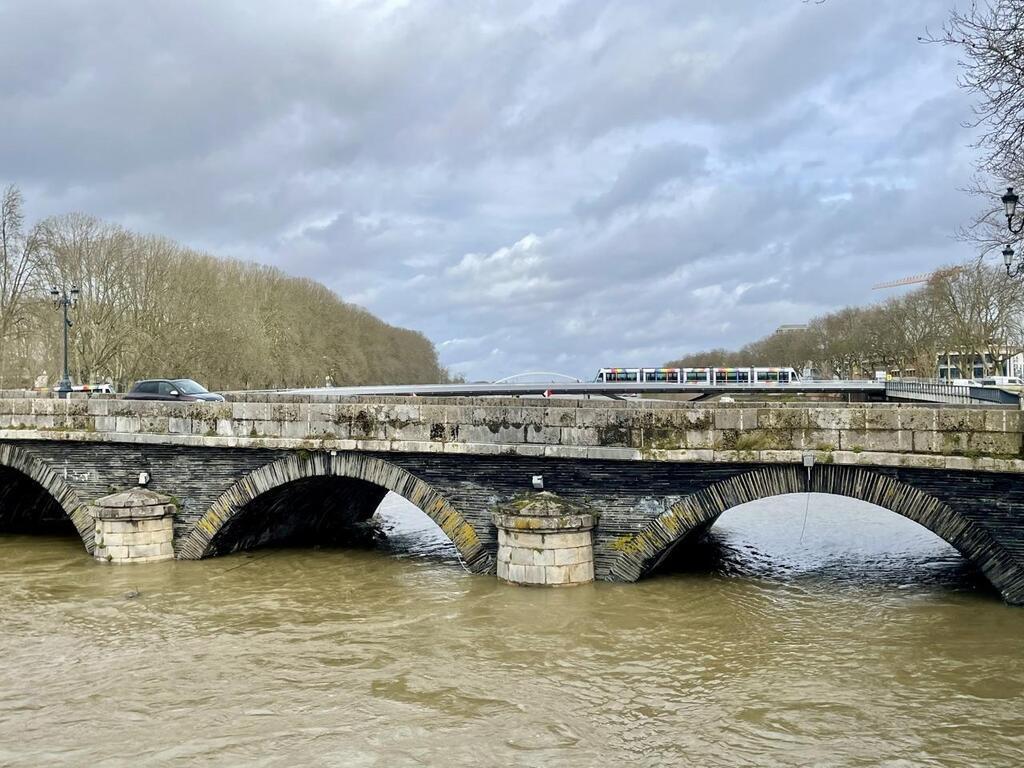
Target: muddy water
x=828, y=634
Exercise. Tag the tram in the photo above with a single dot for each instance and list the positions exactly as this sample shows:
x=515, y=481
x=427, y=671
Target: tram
x=706, y=376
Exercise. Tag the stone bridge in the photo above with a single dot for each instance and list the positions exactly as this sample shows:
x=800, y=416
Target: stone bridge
x=653, y=474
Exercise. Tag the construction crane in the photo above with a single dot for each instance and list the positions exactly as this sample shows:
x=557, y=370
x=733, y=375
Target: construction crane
x=913, y=279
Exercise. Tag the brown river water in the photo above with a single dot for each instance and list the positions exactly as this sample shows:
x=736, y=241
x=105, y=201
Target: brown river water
x=846, y=636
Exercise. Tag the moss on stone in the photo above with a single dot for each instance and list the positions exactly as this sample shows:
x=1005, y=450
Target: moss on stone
x=614, y=435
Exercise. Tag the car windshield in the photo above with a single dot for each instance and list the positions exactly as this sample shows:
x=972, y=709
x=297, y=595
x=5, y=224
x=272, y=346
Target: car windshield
x=189, y=387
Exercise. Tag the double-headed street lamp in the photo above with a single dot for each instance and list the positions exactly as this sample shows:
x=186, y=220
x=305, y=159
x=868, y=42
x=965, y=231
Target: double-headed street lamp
x=1010, y=200
x=63, y=300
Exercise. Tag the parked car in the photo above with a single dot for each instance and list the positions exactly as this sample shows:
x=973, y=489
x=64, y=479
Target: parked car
x=181, y=390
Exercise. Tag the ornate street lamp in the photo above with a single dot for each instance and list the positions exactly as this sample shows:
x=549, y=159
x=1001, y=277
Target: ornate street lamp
x=63, y=300
x=1018, y=269
x=1010, y=200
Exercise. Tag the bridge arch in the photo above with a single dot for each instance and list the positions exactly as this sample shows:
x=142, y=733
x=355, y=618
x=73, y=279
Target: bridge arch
x=369, y=471
x=22, y=464
x=696, y=513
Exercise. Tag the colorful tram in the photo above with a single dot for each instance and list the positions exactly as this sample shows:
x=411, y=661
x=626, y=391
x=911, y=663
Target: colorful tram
x=701, y=375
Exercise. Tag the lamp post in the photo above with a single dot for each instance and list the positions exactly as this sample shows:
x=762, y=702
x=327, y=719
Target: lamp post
x=64, y=300
x=1010, y=200
x=1012, y=270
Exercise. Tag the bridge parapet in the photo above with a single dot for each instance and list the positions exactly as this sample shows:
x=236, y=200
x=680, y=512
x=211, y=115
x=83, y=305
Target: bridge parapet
x=977, y=437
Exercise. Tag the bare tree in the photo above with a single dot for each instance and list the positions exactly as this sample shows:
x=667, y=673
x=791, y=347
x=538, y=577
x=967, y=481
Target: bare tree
x=18, y=250
x=981, y=310
x=990, y=36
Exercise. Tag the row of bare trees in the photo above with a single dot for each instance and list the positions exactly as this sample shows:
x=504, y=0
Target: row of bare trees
x=149, y=307
x=972, y=312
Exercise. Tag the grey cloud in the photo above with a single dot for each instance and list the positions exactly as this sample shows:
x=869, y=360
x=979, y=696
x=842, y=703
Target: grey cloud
x=647, y=170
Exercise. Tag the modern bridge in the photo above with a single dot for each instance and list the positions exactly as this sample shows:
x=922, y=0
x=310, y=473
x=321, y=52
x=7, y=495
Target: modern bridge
x=611, y=389
x=853, y=390
x=650, y=475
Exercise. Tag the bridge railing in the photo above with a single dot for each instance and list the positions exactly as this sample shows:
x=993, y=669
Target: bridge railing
x=936, y=391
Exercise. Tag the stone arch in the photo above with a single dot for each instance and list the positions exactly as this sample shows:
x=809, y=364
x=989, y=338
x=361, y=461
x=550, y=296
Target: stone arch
x=19, y=460
x=369, y=469
x=697, y=512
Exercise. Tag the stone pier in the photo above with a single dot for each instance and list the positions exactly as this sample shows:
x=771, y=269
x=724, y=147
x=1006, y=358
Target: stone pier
x=544, y=541
x=135, y=526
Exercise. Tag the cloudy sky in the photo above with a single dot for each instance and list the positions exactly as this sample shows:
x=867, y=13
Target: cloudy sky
x=535, y=186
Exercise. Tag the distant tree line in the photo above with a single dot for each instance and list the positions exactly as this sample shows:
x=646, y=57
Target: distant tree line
x=972, y=311
x=150, y=307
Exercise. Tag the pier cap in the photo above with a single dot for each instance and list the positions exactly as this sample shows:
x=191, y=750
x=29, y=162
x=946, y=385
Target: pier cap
x=543, y=511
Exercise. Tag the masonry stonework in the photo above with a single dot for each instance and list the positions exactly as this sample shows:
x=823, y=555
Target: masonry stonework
x=659, y=472
x=135, y=526
x=544, y=541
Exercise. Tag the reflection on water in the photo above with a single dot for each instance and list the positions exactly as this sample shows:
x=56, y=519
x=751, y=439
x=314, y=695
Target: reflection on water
x=863, y=642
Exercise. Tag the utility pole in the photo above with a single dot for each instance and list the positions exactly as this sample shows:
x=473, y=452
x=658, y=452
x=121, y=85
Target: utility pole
x=64, y=300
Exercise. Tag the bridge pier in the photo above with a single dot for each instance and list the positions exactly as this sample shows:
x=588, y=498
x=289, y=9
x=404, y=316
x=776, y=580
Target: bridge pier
x=544, y=541
x=135, y=526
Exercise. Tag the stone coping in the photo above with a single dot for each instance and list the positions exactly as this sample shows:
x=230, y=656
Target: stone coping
x=846, y=458
x=151, y=512
x=513, y=521
x=133, y=497
x=540, y=504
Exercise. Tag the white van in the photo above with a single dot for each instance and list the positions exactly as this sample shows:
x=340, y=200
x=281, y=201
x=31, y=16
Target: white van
x=1001, y=381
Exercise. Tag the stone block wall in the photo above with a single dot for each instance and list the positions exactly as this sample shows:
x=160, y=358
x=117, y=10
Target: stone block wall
x=551, y=559
x=136, y=541
x=134, y=526
x=544, y=541
x=958, y=437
